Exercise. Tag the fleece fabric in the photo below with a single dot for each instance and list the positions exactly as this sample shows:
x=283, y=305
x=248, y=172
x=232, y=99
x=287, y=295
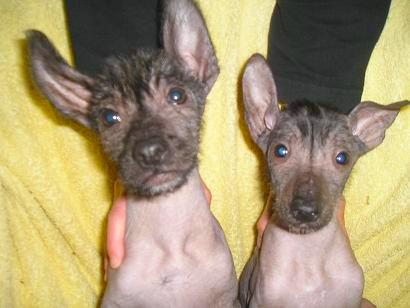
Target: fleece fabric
x=56, y=186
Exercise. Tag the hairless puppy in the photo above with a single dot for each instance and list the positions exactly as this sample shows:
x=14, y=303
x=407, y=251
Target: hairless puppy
x=305, y=258
x=147, y=109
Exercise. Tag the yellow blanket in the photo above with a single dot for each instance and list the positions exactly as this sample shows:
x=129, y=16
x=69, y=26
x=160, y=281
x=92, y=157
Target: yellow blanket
x=56, y=186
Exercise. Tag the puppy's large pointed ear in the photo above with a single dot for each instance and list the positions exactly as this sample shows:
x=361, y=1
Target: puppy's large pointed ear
x=66, y=88
x=186, y=38
x=369, y=121
x=260, y=99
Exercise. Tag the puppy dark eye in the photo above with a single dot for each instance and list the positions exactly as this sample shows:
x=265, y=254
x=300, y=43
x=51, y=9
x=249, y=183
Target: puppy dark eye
x=281, y=151
x=110, y=117
x=342, y=158
x=176, y=96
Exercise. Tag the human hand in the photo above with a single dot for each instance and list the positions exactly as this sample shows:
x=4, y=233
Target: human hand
x=264, y=220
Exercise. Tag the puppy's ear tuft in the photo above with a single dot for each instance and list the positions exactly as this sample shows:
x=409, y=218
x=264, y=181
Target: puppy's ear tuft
x=186, y=38
x=66, y=88
x=370, y=120
x=260, y=99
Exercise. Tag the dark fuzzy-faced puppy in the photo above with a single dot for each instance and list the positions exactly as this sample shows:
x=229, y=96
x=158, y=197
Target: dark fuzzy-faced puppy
x=147, y=108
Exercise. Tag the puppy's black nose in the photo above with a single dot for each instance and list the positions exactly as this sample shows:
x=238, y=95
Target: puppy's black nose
x=304, y=210
x=150, y=153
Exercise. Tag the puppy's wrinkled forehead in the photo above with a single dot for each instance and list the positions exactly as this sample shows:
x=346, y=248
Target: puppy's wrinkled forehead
x=312, y=124
x=142, y=74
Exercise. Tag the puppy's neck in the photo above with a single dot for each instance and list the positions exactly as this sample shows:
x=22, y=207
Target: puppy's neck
x=173, y=215
x=328, y=239
x=303, y=269
x=189, y=196
x=322, y=236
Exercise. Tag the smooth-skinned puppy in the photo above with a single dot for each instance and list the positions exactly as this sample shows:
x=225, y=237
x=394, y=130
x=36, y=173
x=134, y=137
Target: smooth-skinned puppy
x=305, y=258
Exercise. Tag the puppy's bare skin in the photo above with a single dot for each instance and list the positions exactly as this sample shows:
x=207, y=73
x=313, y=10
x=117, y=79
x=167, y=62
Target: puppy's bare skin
x=305, y=258
x=115, y=248
x=147, y=109
x=177, y=271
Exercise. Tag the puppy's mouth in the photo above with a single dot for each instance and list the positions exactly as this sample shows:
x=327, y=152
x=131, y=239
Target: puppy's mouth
x=161, y=178
x=301, y=214
x=301, y=228
x=287, y=222
x=157, y=182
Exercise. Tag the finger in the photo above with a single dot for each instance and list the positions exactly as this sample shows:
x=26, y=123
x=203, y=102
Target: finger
x=116, y=232
x=341, y=214
x=207, y=192
x=118, y=190
x=341, y=210
x=264, y=220
x=366, y=304
x=105, y=268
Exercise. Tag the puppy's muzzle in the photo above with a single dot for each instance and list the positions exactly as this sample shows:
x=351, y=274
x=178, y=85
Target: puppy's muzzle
x=151, y=153
x=304, y=210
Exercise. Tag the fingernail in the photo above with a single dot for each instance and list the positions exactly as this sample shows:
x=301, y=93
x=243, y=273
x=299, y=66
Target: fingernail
x=114, y=262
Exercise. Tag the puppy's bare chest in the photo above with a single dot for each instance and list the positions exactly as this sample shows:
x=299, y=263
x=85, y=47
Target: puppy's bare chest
x=309, y=289
x=313, y=276
x=174, y=271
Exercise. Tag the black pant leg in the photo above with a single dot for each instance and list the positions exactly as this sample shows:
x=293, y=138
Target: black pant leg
x=100, y=28
x=319, y=49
